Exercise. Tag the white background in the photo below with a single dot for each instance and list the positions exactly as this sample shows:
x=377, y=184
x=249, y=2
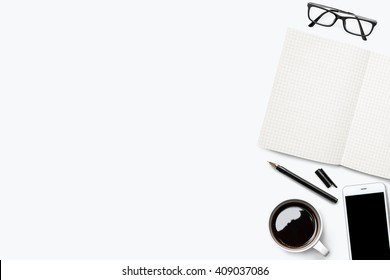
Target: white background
x=128, y=129
x=102, y=270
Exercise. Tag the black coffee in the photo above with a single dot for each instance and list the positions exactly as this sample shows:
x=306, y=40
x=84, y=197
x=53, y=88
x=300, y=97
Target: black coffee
x=294, y=225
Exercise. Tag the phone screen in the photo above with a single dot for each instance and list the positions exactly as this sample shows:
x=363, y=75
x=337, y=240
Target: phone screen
x=367, y=224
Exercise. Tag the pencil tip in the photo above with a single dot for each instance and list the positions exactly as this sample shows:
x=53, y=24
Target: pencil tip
x=274, y=165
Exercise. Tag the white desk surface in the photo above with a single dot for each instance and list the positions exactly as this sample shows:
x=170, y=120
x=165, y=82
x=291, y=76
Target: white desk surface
x=131, y=131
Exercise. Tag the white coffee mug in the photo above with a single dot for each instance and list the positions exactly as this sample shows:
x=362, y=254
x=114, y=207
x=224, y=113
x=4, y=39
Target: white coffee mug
x=296, y=226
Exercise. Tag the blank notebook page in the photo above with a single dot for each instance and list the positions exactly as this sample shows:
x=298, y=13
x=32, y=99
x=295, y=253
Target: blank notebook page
x=313, y=99
x=368, y=145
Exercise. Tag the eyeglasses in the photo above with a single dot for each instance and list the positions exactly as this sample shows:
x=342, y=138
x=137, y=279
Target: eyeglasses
x=327, y=16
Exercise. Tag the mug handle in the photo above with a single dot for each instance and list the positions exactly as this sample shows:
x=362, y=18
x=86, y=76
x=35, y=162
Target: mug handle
x=321, y=248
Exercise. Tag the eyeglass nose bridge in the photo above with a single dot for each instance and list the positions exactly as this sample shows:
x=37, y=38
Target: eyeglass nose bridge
x=342, y=18
x=337, y=17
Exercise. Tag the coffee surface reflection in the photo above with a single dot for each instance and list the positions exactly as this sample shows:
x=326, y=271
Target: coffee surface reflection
x=294, y=225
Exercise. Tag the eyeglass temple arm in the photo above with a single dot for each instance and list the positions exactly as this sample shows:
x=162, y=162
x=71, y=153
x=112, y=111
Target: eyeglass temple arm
x=331, y=9
x=360, y=27
x=320, y=5
x=311, y=4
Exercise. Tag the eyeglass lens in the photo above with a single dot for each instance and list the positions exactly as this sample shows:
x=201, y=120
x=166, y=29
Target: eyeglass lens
x=321, y=16
x=352, y=25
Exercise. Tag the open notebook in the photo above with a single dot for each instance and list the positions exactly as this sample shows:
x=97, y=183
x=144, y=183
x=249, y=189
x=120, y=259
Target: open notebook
x=330, y=102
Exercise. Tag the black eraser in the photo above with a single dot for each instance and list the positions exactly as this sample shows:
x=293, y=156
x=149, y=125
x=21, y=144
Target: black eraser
x=325, y=178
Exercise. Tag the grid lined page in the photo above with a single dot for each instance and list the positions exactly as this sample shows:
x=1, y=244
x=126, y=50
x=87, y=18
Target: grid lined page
x=368, y=145
x=313, y=99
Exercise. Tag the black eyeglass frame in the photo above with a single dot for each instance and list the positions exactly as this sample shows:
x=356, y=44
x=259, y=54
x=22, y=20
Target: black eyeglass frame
x=333, y=11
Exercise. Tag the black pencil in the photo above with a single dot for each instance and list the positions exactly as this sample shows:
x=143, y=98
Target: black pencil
x=303, y=182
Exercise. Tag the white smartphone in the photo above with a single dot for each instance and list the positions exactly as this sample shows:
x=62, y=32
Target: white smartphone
x=367, y=221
